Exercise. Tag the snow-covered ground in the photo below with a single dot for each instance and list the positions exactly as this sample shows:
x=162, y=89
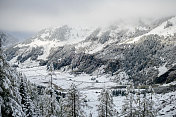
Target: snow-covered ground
x=90, y=86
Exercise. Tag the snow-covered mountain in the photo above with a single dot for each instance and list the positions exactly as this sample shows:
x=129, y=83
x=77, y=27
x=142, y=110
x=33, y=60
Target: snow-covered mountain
x=138, y=50
x=109, y=57
x=48, y=39
x=88, y=40
x=7, y=39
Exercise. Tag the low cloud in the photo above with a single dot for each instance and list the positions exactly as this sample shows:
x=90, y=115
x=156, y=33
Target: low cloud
x=34, y=15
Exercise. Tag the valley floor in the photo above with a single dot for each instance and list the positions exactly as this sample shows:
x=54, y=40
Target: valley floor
x=90, y=87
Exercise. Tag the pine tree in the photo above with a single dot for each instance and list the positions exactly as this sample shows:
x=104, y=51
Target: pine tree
x=74, y=103
x=148, y=104
x=105, y=108
x=128, y=109
x=141, y=106
x=34, y=97
x=44, y=104
x=19, y=98
x=138, y=102
x=51, y=73
x=61, y=107
x=26, y=98
x=10, y=99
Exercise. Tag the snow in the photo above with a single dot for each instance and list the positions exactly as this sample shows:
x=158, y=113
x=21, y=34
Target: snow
x=162, y=69
x=97, y=47
x=91, y=86
x=44, y=35
x=160, y=30
x=123, y=77
x=40, y=75
x=6, y=84
x=90, y=47
x=169, y=84
x=46, y=44
x=75, y=35
x=82, y=45
x=14, y=60
x=167, y=104
x=134, y=40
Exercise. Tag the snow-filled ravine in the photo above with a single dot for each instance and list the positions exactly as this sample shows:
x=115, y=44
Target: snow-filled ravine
x=90, y=86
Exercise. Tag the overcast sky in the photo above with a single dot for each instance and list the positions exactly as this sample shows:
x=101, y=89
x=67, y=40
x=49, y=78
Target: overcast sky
x=30, y=16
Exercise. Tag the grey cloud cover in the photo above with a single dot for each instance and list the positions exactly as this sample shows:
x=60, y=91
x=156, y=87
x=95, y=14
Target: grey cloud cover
x=34, y=15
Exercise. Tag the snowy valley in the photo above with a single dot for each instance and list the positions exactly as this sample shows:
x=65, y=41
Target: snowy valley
x=135, y=65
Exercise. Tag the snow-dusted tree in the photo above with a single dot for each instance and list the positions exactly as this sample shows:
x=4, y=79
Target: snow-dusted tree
x=151, y=102
x=90, y=115
x=105, y=108
x=51, y=73
x=128, y=109
x=26, y=101
x=34, y=97
x=148, y=103
x=19, y=98
x=144, y=106
x=10, y=99
x=139, y=103
x=55, y=107
x=44, y=104
x=62, y=107
x=74, y=103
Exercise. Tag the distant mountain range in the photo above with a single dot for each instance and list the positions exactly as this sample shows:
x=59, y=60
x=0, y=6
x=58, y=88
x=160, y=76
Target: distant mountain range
x=142, y=51
x=7, y=39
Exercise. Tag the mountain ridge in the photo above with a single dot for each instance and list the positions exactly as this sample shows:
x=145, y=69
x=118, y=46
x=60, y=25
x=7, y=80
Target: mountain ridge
x=137, y=49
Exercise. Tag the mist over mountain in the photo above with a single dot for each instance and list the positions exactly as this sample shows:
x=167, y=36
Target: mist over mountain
x=134, y=49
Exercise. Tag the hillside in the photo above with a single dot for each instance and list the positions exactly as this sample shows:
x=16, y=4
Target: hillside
x=138, y=52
